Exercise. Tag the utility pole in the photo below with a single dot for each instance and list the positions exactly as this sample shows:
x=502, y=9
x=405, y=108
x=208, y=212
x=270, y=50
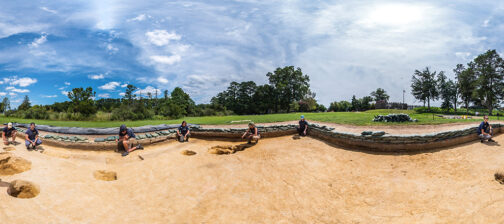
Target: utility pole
x=403, y=92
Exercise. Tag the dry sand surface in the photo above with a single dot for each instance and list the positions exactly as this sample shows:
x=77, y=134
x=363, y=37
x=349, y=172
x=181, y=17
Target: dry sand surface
x=280, y=180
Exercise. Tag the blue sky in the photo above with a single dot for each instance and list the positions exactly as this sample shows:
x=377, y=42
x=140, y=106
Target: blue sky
x=346, y=47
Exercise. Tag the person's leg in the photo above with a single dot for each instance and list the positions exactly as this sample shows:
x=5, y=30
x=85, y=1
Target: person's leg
x=27, y=143
x=5, y=140
x=187, y=137
x=249, y=138
x=14, y=134
x=256, y=138
x=299, y=130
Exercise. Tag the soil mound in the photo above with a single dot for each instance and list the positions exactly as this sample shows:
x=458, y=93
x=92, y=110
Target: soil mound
x=10, y=164
x=105, y=175
x=188, y=152
x=23, y=189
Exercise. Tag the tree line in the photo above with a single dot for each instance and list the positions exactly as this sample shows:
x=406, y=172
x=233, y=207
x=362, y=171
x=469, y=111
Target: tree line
x=288, y=90
x=480, y=83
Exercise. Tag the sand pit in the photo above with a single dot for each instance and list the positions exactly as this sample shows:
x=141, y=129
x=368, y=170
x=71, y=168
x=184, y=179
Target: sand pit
x=10, y=164
x=188, y=152
x=499, y=177
x=23, y=189
x=280, y=180
x=105, y=175
x=9, y=148
x=228, y=149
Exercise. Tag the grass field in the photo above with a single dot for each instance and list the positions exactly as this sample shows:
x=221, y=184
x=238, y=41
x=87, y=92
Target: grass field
x=353, y=118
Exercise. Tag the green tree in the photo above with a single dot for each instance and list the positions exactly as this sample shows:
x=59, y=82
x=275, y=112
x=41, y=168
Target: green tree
x=355, y=103
x=489, y=70
x=424, y=86
x=25, y=105
x=290, y=85
x=447, y=90
x=264, y=99
x=182, y=100
x=82, y=101
x=380, y=95
x=5, y=105
x=466, y=80
x=129, y=95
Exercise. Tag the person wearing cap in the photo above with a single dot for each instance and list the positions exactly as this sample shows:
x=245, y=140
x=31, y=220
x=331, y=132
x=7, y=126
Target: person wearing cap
x=303, y=126
x=252, y=133
x=183, y=132
x=9, y=132
x=485, y=130
x=32, y=137
x=125, y=141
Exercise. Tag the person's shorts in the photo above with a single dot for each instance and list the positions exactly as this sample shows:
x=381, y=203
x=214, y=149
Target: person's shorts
x=482, y=136
x=39, y=142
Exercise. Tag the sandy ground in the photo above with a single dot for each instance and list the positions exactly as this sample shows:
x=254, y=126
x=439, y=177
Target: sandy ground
x=280, y=180
x=392, y=129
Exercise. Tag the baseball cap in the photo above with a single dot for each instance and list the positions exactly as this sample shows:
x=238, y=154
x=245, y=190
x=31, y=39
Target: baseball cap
x=9, y=125
x=302, y=116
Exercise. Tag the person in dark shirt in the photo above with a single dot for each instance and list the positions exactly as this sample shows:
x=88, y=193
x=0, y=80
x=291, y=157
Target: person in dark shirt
x=32, y=137
x=9, y=132
x=485, y=130
x=125, y=141
x=183, y=132
x=252, y=133
x=303, y=126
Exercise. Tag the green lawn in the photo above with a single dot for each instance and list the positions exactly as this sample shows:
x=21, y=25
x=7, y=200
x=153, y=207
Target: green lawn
x=353, y=118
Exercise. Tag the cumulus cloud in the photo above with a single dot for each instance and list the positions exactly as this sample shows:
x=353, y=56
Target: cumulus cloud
x=104, y=95
x=64, y=93
x=3, y=93
x=162, y=80
x=146, y=90
x=110, y=86
x=50, y=96
x=96, y=77
x=49, y=10
x=124, y=85
x=14, y=89
x=169, y=60
x=140, y=17
x=22, y=82
x=67, y=83
x=161, y=37
x=111, y=49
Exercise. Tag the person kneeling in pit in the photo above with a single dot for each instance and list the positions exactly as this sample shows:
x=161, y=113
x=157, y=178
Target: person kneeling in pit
x=485, y=130
x=9, y=132
x=303, y=127
x=251, y=134
x=183, y=132
x=32, y=137
x=126, y=138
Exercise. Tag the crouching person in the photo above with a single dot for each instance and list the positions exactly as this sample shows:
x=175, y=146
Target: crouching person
x=303, y=127
x=183, y=132
x=485, y=130
x=125, y=141
x=251, y=134
x=32, y=137
x=9, y=132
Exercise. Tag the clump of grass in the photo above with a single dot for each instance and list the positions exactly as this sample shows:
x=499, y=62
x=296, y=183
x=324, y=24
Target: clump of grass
x=499, y=177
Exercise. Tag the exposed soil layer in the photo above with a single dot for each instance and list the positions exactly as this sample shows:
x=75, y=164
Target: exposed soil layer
x=279, y=180
x=23, y=189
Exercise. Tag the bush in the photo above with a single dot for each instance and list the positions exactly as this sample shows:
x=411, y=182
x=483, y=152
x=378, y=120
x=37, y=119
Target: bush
x=393, y=118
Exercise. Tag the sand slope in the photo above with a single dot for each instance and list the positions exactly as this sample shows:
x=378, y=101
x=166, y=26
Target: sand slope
x=280, y=180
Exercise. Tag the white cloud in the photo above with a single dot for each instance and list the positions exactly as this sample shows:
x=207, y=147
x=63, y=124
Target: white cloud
x=148, y=89
x=486, y=22
x=49, y=10
x=111, y=49
x=3, y=93
x=37, y=42
x=124, y=85
x=22, y=82
x=140, y=17
x=110, y=86
x=162, y=80
x=14, y=89
x=50, y=96
x=104, y=95
x=67, y=83
x=64, y=93
x=169, y=60
x=96, y=77
x=122, y=94
x=161, y=37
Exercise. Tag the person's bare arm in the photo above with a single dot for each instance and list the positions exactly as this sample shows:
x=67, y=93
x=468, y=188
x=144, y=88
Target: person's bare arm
x=188, y=131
